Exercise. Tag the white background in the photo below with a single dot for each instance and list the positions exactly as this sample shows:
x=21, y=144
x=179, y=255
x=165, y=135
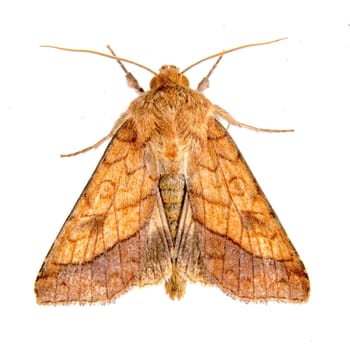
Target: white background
x=53, y=102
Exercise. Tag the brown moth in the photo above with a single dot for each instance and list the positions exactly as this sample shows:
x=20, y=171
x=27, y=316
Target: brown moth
x=172, y=200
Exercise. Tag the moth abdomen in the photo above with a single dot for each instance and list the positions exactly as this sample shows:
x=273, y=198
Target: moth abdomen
x=172, y=191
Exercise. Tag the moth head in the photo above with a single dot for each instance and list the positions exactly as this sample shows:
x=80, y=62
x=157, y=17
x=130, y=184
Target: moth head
x=169, y=75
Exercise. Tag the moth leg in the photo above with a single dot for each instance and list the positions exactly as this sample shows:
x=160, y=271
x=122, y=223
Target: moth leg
x=114, y=130
x=221, y=113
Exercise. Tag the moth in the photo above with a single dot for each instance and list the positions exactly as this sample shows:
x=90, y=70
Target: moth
x=172, y=200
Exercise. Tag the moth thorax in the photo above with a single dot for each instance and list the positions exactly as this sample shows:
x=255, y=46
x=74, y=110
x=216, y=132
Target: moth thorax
x=169, y=75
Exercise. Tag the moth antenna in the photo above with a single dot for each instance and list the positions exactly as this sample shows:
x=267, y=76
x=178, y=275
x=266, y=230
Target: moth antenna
x=231, y=50
x=131, y=80
x=102, y=54
x=204, y=83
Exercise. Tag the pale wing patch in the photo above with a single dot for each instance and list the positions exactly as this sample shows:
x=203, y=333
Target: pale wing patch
x=187, y=251
x=157, y=247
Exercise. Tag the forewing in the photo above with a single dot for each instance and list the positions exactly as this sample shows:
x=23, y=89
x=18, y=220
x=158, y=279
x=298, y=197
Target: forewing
x=244, y=248
x=114, y=237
